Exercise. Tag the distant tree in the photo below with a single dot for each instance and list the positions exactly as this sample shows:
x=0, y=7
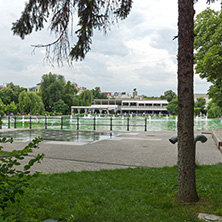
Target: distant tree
x=36, y=105
x=2, y=108
x=70, y=88
x=69, y=95
x=172, y=107
x=69, y=101
x=76, y=101
x=213, y=110
x=52, y=88
x=85, y=98
x=24, y=102
x=199, y=106
x=169, y=95
x=152, y=97
x=97, y=94
x=11, y=108
x=60, y=107
x=30, y=102
x=10, y=93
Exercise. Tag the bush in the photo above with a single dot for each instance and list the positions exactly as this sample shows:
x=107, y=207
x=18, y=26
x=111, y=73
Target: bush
x=12, y=180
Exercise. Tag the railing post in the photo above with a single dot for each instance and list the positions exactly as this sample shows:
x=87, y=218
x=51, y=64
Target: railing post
x=30, y=122
x=77, y=123
x=145, y=124
x=94, y=123
x=111, y=124
x=0, y=122
x=61, y=122
x=128, y=124
x=45, y=122
x=9, y=122
x=15, y=122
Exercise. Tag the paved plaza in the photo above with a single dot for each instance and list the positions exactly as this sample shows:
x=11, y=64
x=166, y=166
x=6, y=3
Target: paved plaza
x=127, y=149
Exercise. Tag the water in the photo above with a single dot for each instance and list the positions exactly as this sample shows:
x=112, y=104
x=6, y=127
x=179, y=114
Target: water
x=56, y=135
x=116, y=123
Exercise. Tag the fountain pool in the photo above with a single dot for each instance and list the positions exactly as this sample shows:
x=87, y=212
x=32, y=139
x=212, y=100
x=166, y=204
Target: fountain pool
x=56, y=135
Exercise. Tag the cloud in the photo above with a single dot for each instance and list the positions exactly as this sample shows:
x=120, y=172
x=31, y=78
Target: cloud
x=137, y=53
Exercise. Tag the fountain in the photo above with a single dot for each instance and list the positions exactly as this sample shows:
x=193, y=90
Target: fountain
x=149, y=118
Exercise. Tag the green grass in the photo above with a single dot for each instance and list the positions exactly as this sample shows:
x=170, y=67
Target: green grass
x=119, y=195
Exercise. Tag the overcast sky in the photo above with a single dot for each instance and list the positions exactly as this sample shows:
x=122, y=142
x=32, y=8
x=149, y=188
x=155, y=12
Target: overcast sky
x=137, y=53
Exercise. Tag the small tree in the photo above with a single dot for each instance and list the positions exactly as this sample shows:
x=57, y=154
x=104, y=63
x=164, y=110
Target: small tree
x=11, y=108
x=169, y=95
x=172, y=107
x=199, y=106
x=60, y=107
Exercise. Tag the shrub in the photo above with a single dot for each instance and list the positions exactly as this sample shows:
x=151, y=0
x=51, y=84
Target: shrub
x=13, y=180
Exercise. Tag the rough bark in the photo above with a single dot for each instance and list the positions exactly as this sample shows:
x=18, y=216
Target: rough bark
x=186, y=147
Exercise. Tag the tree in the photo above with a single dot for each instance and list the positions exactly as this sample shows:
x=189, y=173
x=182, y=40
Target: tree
x=213, y=111
x=96, y=14
x=199, y=106
x=24, y=102
x=10, y=93
x=11, y=108
x=69, y=95
x=70, y=88
x=52, y=88
x=172, y=107
x=215, y=92
x=36, y=105
x=208, y=55
x=97, y=94
x=85, y=98
x=2, y=108
x=100, y=14
x=30, y=102
x=169, y=95
x=60, y=106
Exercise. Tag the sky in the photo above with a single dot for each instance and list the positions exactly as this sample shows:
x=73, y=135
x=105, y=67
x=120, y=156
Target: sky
x=138, y=52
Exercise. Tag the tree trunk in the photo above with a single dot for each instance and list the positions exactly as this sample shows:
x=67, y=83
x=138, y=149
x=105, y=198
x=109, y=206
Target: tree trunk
x=186, y=147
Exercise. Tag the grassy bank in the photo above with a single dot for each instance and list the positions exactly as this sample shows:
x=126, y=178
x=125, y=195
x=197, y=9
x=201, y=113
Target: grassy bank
x=119, y=195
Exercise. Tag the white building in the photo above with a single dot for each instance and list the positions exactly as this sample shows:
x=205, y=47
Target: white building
x=125, y=106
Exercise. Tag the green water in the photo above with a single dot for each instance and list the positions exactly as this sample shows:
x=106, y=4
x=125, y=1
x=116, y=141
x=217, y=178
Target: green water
x=26, y=135
x=107, y=123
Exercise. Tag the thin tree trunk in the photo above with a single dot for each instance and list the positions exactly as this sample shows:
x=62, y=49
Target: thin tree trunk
x=186, y=147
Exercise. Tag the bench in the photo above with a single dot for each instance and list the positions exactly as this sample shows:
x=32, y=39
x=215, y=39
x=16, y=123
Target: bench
x=217, y=136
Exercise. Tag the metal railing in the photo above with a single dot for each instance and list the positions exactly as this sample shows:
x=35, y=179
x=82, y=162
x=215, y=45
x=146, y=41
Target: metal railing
x=76, y=123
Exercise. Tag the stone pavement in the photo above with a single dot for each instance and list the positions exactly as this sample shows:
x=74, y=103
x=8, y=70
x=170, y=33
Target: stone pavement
x=127, y=149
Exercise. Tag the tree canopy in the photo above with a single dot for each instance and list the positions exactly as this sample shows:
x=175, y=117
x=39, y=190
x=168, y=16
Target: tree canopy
x=169, y=95
x=207, y=44
x=52, y=88
x=208, y=55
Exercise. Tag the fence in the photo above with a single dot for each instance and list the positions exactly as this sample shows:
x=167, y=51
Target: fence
x=76, y=123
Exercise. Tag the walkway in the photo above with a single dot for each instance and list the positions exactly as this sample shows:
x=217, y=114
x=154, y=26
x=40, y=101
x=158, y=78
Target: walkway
x=128, y=149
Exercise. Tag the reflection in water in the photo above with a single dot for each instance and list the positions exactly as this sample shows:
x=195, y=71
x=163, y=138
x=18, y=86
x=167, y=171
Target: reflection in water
x=56, y=135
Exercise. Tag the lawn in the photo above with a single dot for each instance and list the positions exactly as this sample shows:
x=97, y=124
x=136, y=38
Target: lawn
x=118, y=195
